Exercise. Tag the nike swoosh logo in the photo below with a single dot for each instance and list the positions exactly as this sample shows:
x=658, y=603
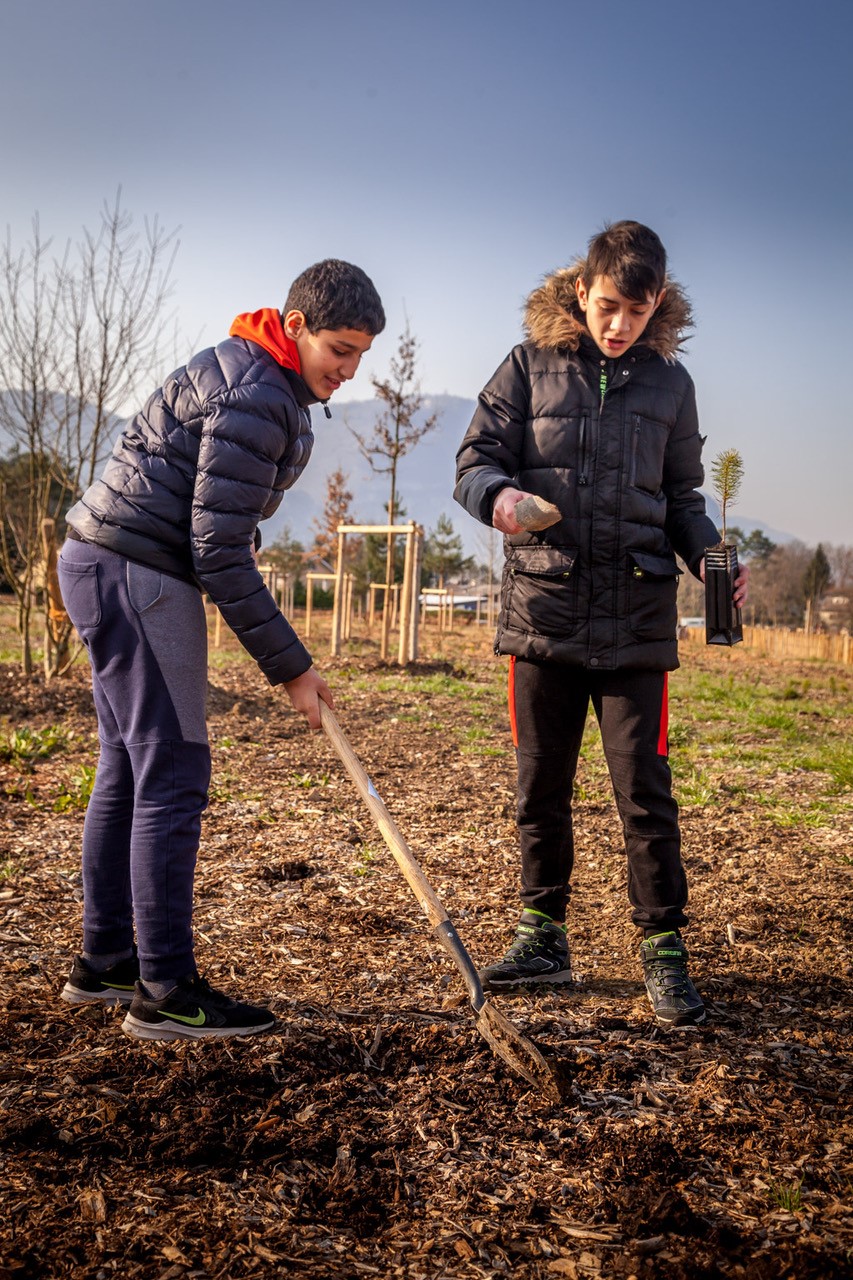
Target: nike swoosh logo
x=197, y=1020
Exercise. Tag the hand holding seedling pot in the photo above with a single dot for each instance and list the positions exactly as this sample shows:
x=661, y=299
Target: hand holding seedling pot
x=722, y=616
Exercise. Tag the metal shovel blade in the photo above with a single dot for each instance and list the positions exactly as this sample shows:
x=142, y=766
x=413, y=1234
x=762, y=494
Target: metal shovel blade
x=516, y=1050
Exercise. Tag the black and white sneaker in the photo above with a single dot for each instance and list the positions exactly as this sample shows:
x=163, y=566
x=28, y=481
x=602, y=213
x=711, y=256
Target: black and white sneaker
x=115, y=985
x=539, y=954
x=192, y=1010
x=672, y=995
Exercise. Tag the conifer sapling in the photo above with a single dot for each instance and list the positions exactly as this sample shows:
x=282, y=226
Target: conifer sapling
x=727, y=475
x=722, y=615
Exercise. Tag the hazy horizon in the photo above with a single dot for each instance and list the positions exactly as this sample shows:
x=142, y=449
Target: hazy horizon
x=459, y=153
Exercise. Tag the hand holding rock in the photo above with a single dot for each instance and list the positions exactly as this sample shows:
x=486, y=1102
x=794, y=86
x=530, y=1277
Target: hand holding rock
x=534, y=513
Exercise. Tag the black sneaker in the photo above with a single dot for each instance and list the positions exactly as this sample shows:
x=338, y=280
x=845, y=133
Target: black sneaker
x=192, y=1010
x=111, y=986
x=672, y=995
x=539, y=954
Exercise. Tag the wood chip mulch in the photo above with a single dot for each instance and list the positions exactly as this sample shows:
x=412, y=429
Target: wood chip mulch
x=375, y=1133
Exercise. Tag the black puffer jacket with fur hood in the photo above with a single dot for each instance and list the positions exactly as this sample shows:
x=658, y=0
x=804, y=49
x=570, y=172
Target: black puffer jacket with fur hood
x=193, y=473
x=598, y=589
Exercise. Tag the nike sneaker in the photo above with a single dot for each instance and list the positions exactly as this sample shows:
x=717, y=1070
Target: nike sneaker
x=115, y=985
x=192, y=1010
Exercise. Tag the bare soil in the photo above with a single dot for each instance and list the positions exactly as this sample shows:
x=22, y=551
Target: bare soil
x=374, y=1132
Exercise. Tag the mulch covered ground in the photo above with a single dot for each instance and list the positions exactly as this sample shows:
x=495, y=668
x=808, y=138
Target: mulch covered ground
x=375, y=1133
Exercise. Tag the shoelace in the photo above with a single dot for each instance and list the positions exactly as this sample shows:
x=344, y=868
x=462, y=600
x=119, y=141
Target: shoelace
x=519, y=950
x=670, y=975
x=201, y=986
x=523, y=947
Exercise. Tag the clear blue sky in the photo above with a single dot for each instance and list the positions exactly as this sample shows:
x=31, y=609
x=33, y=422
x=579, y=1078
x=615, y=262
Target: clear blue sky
x=460, y=149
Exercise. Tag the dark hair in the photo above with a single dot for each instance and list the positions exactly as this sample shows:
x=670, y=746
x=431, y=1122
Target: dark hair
x=336, y=295
x=631, y=255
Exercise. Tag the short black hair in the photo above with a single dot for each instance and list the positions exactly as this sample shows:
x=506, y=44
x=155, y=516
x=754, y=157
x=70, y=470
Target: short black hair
x=336, y=295
x=631, y=255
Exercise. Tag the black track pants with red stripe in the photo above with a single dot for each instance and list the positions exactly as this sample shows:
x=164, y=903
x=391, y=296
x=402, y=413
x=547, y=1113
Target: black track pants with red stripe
x=549, y=702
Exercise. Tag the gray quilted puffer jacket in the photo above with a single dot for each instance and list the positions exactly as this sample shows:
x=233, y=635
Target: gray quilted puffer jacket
x=194, y=472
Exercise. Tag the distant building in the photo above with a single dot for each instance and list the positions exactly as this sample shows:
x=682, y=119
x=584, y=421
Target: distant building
x=835, y=609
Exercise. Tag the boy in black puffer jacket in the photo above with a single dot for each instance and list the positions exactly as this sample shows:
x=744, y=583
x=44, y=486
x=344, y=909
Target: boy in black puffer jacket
x=595, y=414
x=175, y=513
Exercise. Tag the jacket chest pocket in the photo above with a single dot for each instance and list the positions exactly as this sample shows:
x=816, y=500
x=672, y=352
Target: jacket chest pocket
x=541, y=590
x=652, y=595
x=648, y=447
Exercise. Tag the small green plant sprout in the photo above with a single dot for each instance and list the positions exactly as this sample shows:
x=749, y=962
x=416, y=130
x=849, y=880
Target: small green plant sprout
x=23, y=746
x=727, y=475
x=307, y=780
x=364, y=859
x=788, y=1196
x=77, y=792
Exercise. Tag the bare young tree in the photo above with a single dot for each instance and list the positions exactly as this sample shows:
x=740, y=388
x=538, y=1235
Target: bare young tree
x=30, y=415
x=776, y=586
x=337, y=509
x=487, y=548
x=395, y=433
x=80, y=335
x=841, y=565
x=816, y=579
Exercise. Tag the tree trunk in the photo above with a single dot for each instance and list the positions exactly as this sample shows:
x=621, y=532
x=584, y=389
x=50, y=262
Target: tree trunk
x=384, y=644
x=57, y=625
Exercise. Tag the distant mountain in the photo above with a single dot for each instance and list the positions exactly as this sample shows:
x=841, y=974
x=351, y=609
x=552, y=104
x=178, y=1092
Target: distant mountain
x=425, y=476
x=59, y=410
x=745, y=523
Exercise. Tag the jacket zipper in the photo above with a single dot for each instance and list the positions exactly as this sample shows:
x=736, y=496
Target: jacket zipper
x=635, y=448
x=582, y=476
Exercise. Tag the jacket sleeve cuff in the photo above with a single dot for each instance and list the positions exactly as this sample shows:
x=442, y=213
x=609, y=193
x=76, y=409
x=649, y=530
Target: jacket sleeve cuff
x=477, y=492
x=288, y=666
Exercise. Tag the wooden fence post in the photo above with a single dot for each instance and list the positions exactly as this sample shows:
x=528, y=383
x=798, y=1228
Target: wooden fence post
x=417, y=561
x=337, y=608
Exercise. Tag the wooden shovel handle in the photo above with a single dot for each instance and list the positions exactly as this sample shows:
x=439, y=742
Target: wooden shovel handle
x=403, y=855
x=503, y=1037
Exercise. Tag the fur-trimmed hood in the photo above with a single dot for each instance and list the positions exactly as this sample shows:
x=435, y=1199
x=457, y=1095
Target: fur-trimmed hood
x=553, y=319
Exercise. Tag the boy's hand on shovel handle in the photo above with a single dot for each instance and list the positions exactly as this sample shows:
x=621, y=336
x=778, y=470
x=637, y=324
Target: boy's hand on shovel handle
x=305, y=692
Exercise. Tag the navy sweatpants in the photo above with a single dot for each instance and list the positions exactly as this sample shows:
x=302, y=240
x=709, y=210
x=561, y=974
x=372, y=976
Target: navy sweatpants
x=549, y=702
x=146, y=635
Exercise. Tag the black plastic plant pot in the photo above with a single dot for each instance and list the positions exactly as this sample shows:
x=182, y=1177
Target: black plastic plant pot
x=722, y=619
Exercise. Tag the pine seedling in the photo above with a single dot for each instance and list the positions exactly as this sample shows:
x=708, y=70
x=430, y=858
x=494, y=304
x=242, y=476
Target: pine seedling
x=727, y=475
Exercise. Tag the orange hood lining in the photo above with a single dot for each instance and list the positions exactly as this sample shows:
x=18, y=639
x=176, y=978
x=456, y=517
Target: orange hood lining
x=265, y=328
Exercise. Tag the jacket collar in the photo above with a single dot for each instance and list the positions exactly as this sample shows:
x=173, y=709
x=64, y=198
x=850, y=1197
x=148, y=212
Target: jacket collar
x=302, y=393
x=265, y=329
x=553, y=319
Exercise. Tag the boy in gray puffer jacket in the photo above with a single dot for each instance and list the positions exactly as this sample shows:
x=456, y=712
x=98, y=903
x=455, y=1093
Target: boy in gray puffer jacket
x=595, y=414
x=176, y=513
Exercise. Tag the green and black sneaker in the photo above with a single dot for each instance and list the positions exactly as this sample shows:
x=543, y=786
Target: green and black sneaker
x=539, y=955
x=115, y=985
x=672, y=995
x=193, y=1010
